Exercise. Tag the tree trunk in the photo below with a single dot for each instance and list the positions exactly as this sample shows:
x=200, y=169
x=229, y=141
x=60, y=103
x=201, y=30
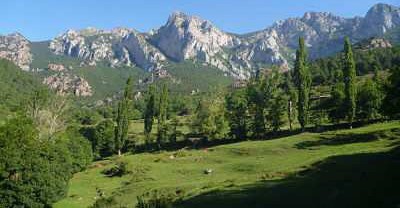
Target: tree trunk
x=290, y=114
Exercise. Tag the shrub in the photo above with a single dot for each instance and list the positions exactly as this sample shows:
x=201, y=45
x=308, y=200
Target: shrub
x=120, y=169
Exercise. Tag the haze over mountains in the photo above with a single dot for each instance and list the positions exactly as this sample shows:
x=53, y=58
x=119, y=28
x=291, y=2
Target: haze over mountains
x=191, y=38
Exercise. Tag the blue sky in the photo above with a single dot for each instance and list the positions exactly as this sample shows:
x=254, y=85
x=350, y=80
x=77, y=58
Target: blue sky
x=44, y=19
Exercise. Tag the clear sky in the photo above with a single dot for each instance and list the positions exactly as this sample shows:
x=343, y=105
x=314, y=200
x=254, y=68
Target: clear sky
x=44, y=19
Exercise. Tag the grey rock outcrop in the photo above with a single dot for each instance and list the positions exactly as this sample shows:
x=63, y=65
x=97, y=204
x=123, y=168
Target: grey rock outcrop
x=186, y=37
x=65, y=83
x=16, y=48
x=119, y=46
x=56, y=67
x=373, y=43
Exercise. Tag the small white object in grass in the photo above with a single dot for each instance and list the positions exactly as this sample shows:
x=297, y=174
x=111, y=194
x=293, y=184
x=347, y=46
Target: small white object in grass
x=208, y=171
x=171, y=157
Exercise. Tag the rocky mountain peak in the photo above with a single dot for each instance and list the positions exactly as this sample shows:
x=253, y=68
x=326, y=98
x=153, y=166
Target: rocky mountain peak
x=90, y=31
x=189, y=37
x=382, y=8
x=381, y=18
x=122, y=31
x=177, y=16
x=185, y=21
x=321, y=18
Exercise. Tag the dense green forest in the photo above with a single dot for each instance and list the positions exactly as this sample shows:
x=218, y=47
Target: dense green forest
x=16, y=85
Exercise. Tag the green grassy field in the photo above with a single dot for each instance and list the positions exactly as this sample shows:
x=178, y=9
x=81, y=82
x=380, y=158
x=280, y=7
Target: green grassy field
x=343, y=168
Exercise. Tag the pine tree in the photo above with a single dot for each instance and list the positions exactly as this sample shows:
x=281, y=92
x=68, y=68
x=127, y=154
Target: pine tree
x=369, y=100
x=162, y=116
x=236, y=112
x=121, y=130
x=274, y=99
x=149, y=112
x=256, y=102
x=302, y=79
x=209, y=120
x=349, y=75
x=103, y=142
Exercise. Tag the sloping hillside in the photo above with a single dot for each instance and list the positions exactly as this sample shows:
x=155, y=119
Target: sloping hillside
x=249, y=172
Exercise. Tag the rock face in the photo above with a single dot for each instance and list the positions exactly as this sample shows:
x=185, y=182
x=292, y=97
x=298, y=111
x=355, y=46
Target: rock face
x=186, y=37
x=56, y=67
x=380, y=19
x=65, y=83
x=16, y=48
x=119, y=46
x=323, y=32
x=372, y=43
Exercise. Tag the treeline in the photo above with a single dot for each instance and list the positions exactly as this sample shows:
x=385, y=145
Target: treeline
x=271, y=101
x=324, y=70
x=159, y=111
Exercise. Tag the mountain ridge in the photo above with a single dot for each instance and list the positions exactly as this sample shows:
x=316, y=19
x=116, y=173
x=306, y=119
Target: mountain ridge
x=185, y=37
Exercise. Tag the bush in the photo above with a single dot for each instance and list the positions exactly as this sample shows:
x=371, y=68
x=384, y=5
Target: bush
x=120, y=169
x=87, y=116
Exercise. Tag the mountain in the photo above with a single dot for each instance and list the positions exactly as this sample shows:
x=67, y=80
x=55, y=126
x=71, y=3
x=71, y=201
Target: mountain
x=380, y=19
x=96, y=62
x=186, y=37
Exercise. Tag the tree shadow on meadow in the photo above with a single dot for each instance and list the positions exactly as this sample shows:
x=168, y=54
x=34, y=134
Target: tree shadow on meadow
x=204, y=143
x=348, y=138
x=359, y=180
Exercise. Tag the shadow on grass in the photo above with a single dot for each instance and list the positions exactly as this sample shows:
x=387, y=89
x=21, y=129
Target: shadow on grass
x=359, y=180
x=348, y=138
x=204, y=143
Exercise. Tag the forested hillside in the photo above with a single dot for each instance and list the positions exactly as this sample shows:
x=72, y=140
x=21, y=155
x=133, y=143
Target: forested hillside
x=16, y=86
x=40, y=148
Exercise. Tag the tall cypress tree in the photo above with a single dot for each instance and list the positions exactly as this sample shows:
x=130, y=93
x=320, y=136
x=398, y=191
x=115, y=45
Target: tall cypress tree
x=121, y=130
x=149, y=111
x=349, y=75
x=162, y=116
x=302, y=79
